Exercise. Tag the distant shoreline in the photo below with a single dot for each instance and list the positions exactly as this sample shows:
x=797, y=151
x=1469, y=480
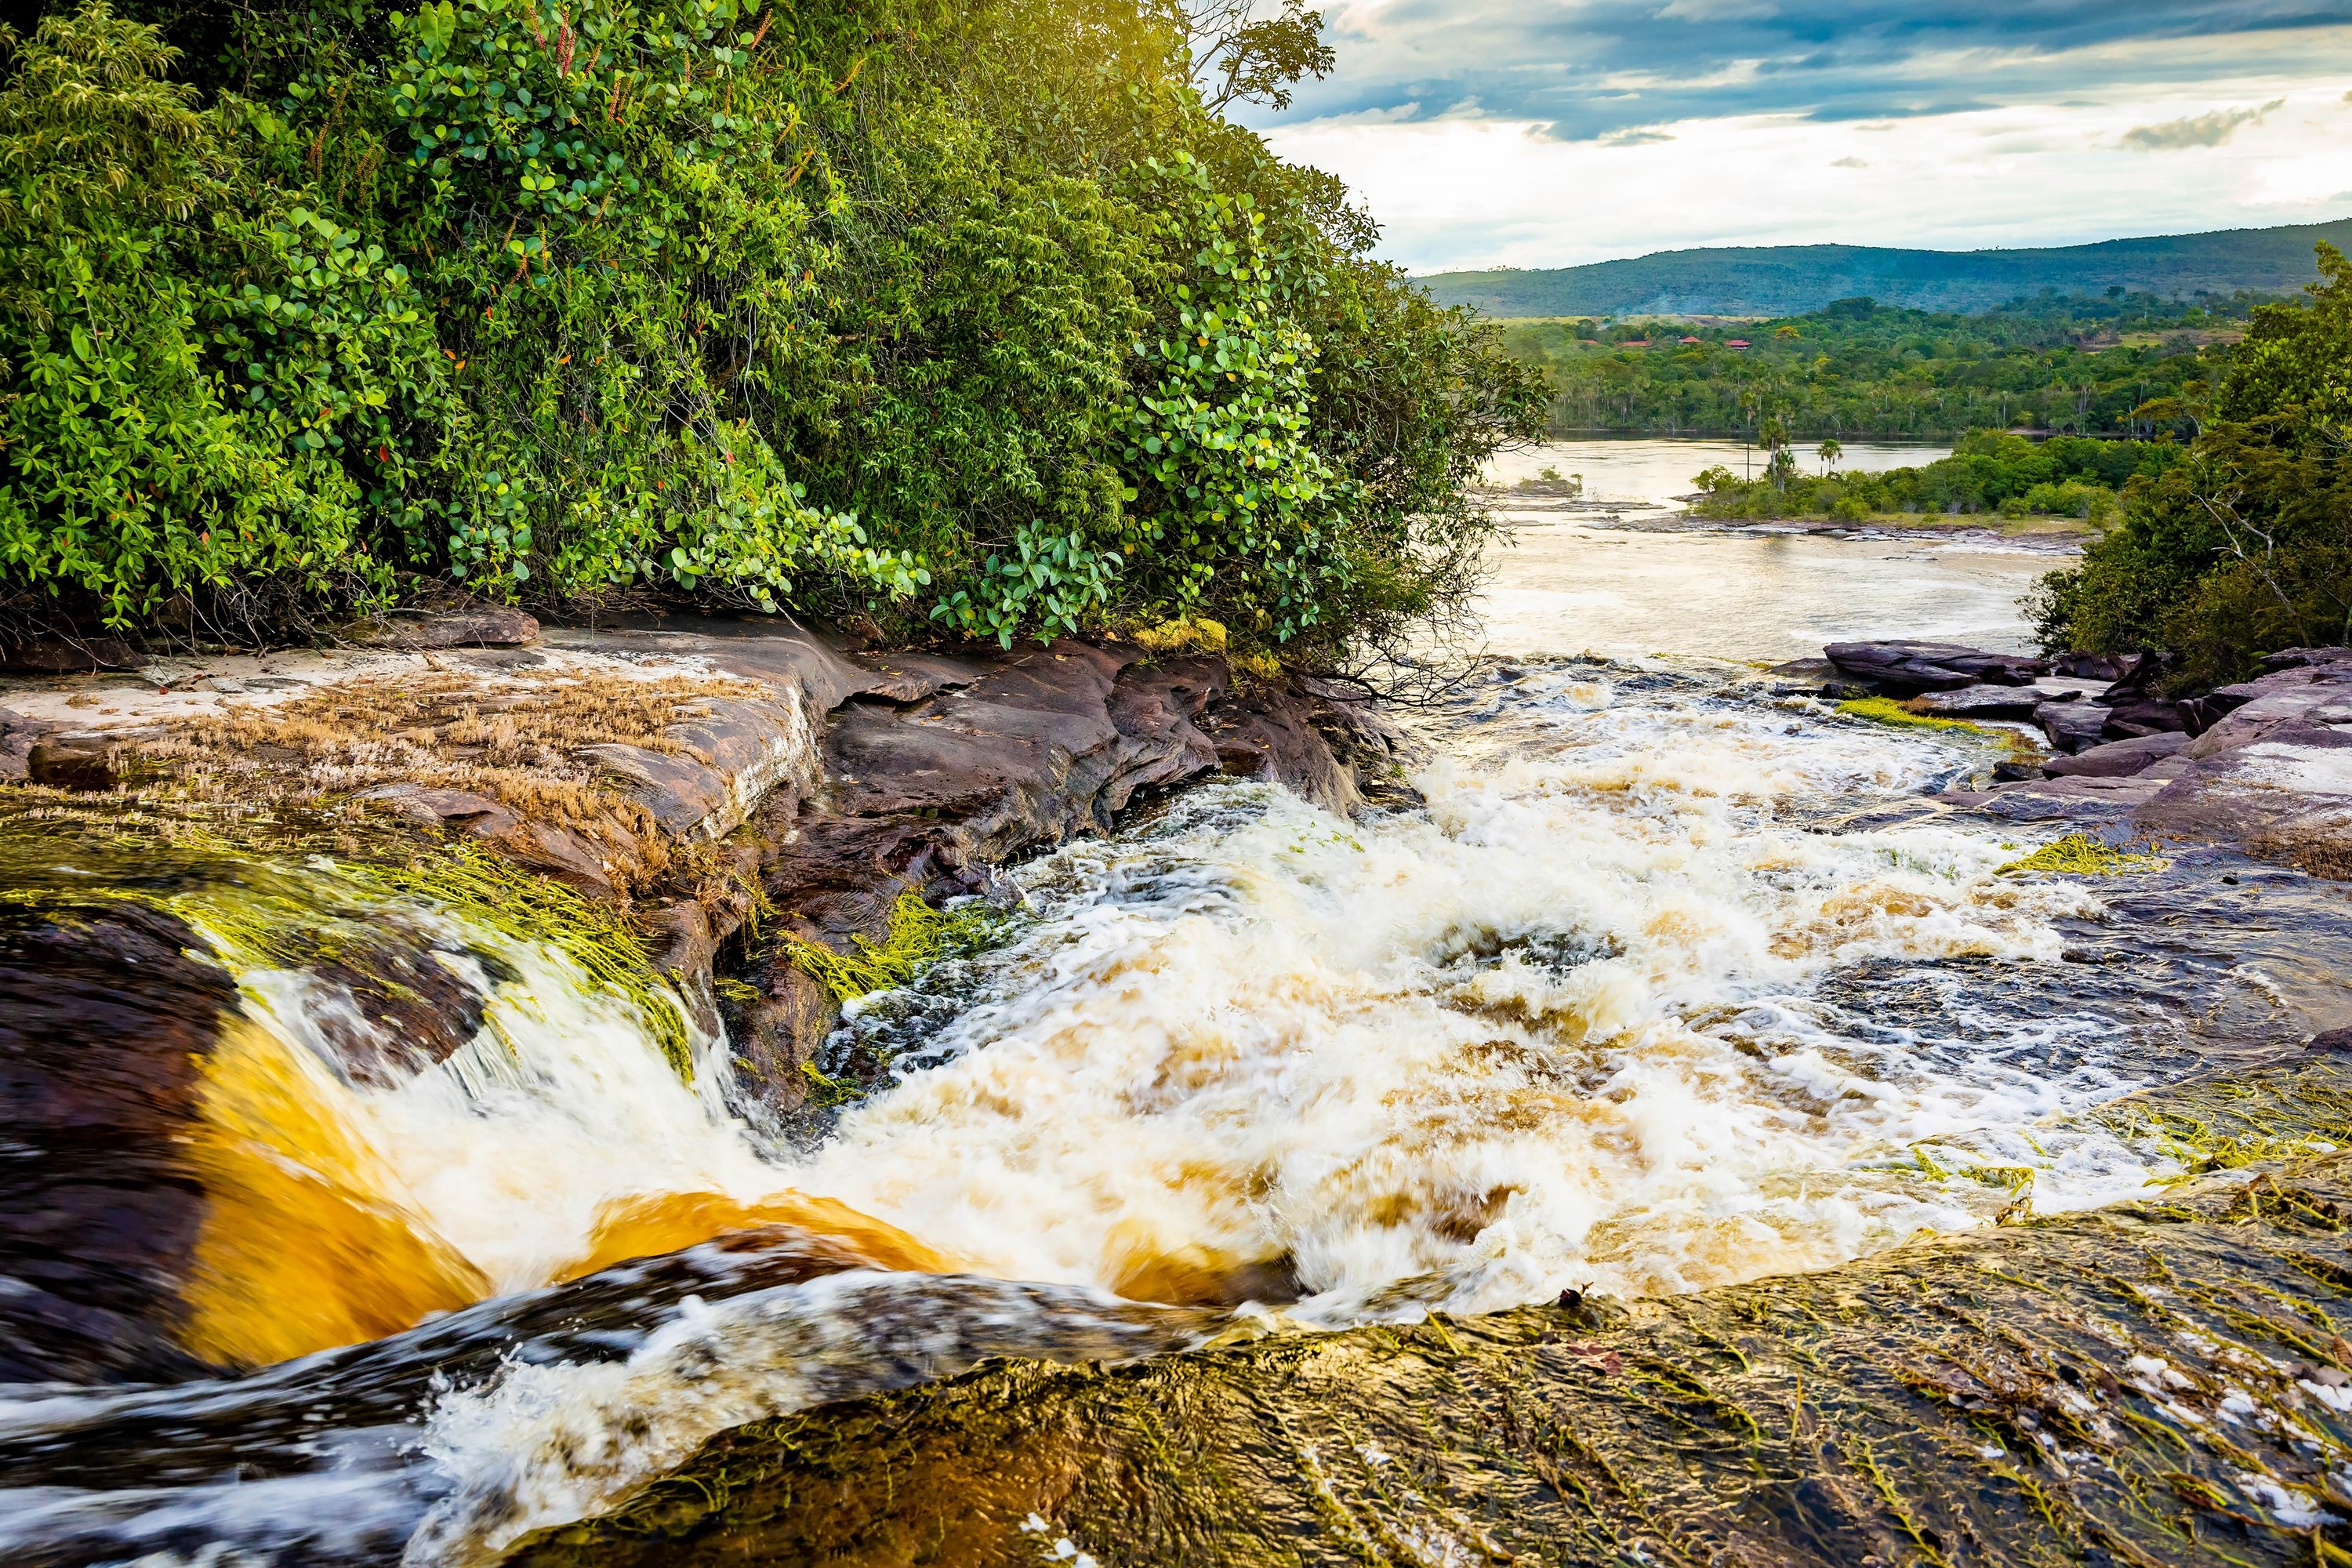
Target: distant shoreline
x=1913, y=439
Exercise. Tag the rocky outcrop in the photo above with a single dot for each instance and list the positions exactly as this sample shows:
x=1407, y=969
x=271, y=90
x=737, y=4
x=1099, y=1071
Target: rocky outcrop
x=2265, y=765
x=104, y=1017
x=984, y=759
x=1903, y=668
x=697, y=769
x=2275, y=774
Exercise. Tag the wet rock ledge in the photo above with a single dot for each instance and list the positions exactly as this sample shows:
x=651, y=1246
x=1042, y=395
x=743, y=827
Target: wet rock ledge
x=2264, y=766
x=707, y=775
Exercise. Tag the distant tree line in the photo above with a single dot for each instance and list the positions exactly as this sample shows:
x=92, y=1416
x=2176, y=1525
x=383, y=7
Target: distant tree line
x=1989, y=472
x=2119, y=364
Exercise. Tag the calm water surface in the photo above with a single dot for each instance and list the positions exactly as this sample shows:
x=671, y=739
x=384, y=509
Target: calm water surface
x=1653, y=471
x=1571, y=582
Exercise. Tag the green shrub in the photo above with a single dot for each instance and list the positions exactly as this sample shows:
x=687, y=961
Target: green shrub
x=2245, y=547
x=962, y=317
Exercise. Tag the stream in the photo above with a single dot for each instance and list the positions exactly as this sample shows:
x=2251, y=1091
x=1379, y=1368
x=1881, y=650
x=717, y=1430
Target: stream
x=1674, y=983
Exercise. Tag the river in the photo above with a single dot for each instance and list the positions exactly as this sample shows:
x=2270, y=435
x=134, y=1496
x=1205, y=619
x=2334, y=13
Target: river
x=1603, y=577
x=1672, y=982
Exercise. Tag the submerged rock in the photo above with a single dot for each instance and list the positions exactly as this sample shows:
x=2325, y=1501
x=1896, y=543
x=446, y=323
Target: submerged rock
x=105, y=1015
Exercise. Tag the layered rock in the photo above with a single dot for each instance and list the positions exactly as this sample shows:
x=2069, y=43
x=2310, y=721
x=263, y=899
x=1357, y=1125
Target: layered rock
x=2265, y=765
x=692, y=772
x=1903, y=668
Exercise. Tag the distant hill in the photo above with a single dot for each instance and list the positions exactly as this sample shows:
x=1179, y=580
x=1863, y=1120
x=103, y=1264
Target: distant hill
x=1789, y=279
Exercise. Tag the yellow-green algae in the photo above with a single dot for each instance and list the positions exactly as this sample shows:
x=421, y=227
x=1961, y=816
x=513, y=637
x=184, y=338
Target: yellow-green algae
x=920, y=937
x=2081, y=855
x=2162, y=1383
x=1887, y=711
x=270, y=890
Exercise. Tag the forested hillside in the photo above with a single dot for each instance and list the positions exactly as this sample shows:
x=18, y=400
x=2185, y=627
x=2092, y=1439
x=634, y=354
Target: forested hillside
x=970, y=318
x=1788, y=279
x=2102, y=365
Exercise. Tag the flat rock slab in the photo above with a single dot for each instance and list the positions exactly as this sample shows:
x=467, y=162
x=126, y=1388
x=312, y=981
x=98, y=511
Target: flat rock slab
x=2040, y=800
x=2072, y=727
x=475, y=626
x=1905, y=668
x=2119, y=759
x=1980, y=702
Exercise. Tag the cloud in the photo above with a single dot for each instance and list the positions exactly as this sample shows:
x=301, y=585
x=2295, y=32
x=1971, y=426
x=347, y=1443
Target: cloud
x=1716, y=10
x=2209, y=129
x=1587, y=68
x=1462, y=122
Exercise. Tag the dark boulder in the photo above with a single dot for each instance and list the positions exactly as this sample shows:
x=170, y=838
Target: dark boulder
x=104, y=1016
x=2090, y=666
x=1904, y=668
x=2072, y=726
x=85, y=764
x=18, y=735
x=58, y=655
x=2200, y=714
x=2119, y=759
x=2131, y=716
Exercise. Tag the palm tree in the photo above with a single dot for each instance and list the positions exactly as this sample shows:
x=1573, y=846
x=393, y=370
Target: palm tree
x=1778, y=465
x=1830, y=452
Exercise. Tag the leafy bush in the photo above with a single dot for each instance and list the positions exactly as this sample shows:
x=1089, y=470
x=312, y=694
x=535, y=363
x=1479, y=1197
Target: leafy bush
x=195, y=373
x=964, y=318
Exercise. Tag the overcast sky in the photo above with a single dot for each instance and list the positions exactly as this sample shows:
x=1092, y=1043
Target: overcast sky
x=1548, y=132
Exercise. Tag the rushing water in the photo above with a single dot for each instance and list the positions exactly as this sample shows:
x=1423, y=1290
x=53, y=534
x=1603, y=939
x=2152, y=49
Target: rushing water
x=1673, y=983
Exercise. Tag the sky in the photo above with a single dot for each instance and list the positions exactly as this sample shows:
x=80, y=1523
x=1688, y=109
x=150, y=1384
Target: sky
x=1550, y=133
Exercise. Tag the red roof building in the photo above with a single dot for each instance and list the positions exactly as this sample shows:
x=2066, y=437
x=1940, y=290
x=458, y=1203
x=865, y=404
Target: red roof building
x=1737, y=344
x=1690, y=339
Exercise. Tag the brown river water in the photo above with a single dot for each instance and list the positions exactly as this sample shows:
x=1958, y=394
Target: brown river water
x=1672, y=984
